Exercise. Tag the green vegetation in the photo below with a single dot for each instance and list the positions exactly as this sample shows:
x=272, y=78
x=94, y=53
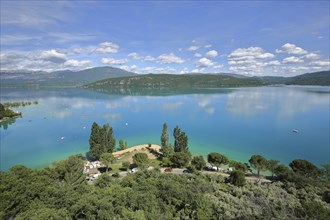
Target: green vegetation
x=198, y=162
x=177, y=81
x=5, y=112
x=217, y=159
x=141, y=160
x=101, y=140
x=19, y=104
x=61, y=192
x=237, y=178
x=258, y=162
x=165, y=139
x=107, y=159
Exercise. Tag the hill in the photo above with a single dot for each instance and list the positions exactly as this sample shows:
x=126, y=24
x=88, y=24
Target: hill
x=59, y=78
x=321, y=78
x=176, y=81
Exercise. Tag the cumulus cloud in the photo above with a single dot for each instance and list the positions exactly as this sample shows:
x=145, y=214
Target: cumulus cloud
x=52, y=56
x=312, y=56
x=137, y=56
x=153, y=69
x=204, y=62
x=192, y=48
x=169, y=58
x=249, y=61
x=197, y=55
x=107, y=47
x=212, y=54
x=325, y=63
x=208, y=46
x=76, y=64
x=292, y=59
x=113, y=61
x=291, y=49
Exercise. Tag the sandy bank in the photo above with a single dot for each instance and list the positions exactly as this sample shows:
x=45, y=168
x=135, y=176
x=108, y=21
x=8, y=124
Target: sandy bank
x=138, y=147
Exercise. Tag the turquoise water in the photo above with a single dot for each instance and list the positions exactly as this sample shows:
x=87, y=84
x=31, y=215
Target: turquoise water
x=235, y=122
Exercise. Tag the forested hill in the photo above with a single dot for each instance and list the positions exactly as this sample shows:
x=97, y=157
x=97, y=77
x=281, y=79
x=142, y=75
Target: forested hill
x=317, y=78
x=177, y=81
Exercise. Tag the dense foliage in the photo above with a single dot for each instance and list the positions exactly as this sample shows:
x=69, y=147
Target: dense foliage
x=61, y=192
x=101, y=140
x=6, y=112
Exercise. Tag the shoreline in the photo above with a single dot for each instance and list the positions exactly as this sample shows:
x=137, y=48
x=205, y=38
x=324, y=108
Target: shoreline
x=136, y=148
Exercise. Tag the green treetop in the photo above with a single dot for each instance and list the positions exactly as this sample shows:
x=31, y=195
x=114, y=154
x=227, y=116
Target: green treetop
x=217, y=159
x=258, y=162
x=164, y=138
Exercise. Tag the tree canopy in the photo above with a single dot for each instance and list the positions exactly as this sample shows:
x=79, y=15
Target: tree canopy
x=305, y=168
x=101, y=140
x=141, y=159
x=258, y=162
x=164, y=138
x=217, y=159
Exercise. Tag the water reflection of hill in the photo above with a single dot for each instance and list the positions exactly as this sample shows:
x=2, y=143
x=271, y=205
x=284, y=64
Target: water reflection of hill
x=161, y=91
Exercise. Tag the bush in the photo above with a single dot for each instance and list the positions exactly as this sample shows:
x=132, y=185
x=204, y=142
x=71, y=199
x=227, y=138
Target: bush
x=237, y=178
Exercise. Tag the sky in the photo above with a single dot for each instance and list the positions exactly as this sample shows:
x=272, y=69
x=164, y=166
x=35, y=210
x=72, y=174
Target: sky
x=253, y=38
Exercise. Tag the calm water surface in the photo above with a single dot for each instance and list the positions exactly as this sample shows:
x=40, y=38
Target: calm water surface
x=235, y=122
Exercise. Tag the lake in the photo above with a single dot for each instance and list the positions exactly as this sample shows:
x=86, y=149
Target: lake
x=235, y=122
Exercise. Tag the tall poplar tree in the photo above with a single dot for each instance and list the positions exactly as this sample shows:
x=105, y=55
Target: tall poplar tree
x=165, y=136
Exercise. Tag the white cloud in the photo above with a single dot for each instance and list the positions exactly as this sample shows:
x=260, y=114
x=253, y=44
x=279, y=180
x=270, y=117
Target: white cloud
x=135, y=56
x=192, y=48
x=208, y=46
x=75, y=64
x=52, y=56
x=212, y=54
x=292, y=59
x=197, y=55
x=291, y=49
x=152, y=69
x=218, y=66
x=107, y=47
x=325, y=63
x=312, y=56
x=204, y=62
x=249, y=53
x=169, y=58
x=250, y=61
x=112, y=61
x=184, y=70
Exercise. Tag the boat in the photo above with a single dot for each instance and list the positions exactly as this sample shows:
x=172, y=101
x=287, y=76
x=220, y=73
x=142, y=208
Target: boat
x=62, y=138
x=295, y=131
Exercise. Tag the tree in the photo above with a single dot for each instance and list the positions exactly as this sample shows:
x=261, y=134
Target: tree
x=282, y=172
x=272, y=164
x=95, y=139
x=126, y=165
x=107, y=159
x=180, y=159
x=198, y=162
x=258, y=162
x=164, y=138
x=101, y=140
x=237, y=178
x=167, y=151
x=305, y=168
x=108, y=138
x=180, y=140
x=238, y=166
x=217, y=159
x=122, y=145
x=141, y=159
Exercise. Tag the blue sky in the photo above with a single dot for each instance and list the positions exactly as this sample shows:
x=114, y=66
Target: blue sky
x=244, y=37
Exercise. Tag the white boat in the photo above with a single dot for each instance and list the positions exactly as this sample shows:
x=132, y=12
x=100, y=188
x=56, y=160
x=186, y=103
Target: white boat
x=295, y=131
x=62, y=138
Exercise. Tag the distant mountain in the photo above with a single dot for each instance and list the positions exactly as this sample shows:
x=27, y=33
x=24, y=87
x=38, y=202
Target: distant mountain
x=176, y=81
x=60, y=78
x=317, y=78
